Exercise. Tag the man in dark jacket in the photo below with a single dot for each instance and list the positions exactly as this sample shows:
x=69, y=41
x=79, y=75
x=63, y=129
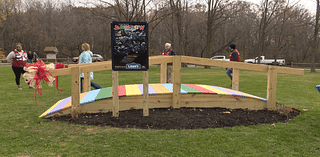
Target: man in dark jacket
x=35, y=57
x=235, y=57
x=30, y=56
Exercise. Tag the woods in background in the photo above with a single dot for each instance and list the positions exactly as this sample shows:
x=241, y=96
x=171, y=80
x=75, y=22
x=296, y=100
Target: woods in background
x=273, y=28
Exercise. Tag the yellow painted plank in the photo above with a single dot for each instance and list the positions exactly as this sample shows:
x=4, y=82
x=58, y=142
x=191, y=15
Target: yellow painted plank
x=132, y=90
x=214, y=90
x=247, y=95
x=45, y=113
x=160, y=89
x=82, y=95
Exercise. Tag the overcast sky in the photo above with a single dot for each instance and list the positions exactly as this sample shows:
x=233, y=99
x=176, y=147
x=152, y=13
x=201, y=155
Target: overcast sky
x=308, y=4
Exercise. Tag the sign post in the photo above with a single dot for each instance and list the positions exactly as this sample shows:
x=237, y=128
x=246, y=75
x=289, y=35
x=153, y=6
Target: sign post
x=129, y=44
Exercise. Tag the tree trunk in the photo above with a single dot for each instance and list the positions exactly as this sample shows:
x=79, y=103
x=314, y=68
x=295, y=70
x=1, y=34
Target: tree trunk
x=315, y=39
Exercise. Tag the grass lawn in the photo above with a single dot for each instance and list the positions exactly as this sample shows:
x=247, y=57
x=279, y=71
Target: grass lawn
x=22, y=133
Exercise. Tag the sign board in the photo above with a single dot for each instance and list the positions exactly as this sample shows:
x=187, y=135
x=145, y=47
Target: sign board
x=129, y=41
x=51, y=56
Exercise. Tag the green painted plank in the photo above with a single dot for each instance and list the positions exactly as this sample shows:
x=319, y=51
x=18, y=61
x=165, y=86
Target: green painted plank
x=104, y=93
x=189, y=89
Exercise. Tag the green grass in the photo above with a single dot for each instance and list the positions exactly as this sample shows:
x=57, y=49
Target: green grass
x=22, y=133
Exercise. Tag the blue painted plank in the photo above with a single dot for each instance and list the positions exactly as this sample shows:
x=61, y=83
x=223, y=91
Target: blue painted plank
x=90, y=96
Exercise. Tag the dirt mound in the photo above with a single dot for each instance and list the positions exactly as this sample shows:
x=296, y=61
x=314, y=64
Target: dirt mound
x=181, y=118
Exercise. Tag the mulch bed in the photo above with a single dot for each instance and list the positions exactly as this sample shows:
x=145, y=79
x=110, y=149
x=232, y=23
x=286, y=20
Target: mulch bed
x=181, y=118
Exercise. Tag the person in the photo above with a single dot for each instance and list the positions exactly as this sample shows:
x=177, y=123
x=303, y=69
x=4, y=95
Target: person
x=30, y=56
x=18, y=59
x=86, y=57
x=235, y=57
x=168, y=52
x=35, y=57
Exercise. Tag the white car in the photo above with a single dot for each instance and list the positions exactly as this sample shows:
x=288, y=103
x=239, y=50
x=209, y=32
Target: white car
x=95, y=57
x=221, y=58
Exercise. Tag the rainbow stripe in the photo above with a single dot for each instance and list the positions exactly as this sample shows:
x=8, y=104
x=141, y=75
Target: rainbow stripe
x=137, y=89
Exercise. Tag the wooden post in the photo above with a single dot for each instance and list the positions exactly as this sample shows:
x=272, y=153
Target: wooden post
x=145, y=93
x=235, y=79
x=115, y=96
x=86, y=82
x=271, y=87
x=176, y=81
x=163, y=73
x=75, y=91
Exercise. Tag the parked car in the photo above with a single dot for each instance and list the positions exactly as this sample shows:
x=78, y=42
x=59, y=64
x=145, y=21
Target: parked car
x=280, y=62
x=221, y=58
x=95, y=57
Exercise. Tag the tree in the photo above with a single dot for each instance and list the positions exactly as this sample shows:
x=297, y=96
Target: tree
x=315, y=38
x=219, y=12
x=270, y=11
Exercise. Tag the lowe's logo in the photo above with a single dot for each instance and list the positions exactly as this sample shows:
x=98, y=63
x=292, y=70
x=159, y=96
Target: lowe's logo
x=133, y=66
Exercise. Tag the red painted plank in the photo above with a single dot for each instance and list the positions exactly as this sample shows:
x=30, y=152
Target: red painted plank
x=201, y=89
x=122, y=90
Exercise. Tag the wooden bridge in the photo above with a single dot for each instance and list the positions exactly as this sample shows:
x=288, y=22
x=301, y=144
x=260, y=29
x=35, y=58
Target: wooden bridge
x=176, y=98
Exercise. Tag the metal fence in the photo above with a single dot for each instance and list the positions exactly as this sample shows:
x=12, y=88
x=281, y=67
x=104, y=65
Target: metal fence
x=304, y=65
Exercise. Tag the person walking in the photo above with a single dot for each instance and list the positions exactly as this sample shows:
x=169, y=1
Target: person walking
x=35, y=57
x=30, y=56
x=86, y=57
x=168, y=52
x=18, y=59
x=235, y=57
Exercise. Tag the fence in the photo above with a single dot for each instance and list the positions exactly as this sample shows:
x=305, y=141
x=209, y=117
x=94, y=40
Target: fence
x=60, y=60
x=304, y=65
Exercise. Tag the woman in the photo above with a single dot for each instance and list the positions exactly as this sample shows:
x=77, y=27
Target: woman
x=18, y=59
x=86, y=57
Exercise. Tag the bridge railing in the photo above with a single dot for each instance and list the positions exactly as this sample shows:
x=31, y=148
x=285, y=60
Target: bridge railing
x=75, y=70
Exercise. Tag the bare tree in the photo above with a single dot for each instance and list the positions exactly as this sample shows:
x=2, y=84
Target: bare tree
x=219, y=12
x=315, y=38
x=270, y=11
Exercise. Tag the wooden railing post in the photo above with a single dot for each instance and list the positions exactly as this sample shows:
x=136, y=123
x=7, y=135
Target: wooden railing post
x=235, y=79
x=115, y=96
x=145, y=93
x=163, y=73
x=86, y=82
x=271, y=87
x=176, y=81
x=75, y=91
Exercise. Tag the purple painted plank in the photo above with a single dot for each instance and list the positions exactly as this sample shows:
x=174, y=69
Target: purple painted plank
x=151, y=90
x=60, y=105
x=140, y=86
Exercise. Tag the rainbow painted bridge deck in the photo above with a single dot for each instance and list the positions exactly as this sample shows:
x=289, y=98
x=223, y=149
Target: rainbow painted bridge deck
x=160, y=95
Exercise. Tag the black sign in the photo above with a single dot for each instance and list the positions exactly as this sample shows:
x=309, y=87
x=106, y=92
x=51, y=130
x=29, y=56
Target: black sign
x=129, y=46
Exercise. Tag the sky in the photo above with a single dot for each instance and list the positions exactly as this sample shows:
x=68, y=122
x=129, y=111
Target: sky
x=308, y=4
